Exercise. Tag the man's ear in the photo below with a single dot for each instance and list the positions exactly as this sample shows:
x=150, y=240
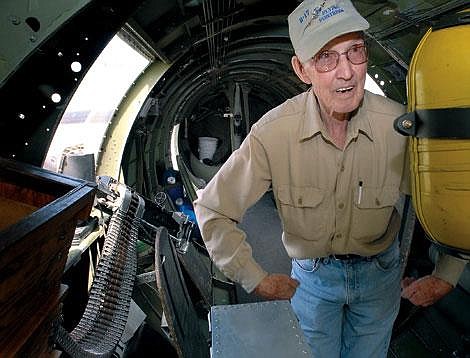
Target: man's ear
x=299, y=70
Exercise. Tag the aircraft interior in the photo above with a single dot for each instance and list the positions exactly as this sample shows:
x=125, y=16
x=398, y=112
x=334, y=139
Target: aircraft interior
x=100, y=253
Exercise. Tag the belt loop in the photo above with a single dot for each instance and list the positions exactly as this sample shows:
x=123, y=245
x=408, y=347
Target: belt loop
x=315, y=263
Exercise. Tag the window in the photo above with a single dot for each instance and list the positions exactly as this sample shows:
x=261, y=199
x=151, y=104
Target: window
x=86, y=119
x=372, y=86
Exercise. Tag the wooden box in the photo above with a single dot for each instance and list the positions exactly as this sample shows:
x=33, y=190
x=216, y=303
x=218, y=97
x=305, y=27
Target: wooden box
x=39, y=211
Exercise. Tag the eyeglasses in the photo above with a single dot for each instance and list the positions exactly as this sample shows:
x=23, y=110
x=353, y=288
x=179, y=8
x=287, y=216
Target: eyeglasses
x=327, y=60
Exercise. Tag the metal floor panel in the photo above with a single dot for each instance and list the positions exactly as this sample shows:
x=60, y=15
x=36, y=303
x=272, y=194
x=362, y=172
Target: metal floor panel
x=264, y=230
x=254, y=330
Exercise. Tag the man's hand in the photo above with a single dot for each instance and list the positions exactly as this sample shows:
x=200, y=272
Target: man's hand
x=424, y=291
x=277, y=287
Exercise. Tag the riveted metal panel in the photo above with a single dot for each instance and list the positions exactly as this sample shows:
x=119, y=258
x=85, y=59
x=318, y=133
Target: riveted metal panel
x=260, y=329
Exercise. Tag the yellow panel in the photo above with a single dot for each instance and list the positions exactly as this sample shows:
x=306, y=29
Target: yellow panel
x=439, y=77
x=442, y=69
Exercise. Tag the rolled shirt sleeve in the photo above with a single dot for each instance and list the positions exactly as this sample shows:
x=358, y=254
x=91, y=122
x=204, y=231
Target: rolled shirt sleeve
x=241, y=181
x=449, y=268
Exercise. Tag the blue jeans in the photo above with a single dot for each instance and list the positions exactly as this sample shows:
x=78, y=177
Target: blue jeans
x=347, y=308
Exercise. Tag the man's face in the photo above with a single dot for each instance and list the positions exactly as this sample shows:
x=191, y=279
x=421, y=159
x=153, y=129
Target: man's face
x=340, y=90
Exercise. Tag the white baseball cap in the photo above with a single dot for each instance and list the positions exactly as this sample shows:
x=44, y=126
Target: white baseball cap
x=316, y=22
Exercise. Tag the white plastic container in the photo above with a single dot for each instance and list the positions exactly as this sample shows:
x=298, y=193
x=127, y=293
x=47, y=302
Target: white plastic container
x=207, y=147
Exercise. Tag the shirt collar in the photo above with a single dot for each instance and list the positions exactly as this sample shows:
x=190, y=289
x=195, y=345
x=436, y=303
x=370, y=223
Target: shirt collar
x=312, y=123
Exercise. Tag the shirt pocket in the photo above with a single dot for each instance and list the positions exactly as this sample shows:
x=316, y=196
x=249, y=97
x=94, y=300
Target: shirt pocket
x=371, y=211
x=301, y=211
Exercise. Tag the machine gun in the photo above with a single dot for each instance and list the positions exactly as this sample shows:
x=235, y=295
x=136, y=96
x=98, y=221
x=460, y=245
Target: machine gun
x=132, y=218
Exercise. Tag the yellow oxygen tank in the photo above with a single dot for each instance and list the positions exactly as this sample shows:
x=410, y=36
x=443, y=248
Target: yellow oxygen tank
x=438, y=123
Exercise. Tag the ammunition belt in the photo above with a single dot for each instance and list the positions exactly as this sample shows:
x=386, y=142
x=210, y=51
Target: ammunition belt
x=103, y=322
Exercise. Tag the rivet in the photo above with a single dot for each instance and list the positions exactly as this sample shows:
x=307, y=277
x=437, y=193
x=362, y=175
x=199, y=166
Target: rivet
x=407, y=124
x=15, y=20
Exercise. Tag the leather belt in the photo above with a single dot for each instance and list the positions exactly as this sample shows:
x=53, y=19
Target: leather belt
x=350, y=257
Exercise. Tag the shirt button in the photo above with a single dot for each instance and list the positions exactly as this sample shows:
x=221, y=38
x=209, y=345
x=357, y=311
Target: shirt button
x=342, y=168
x=341, y=205
x=338, y=236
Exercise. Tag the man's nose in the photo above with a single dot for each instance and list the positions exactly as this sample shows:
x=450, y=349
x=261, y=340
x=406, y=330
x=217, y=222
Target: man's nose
x=344, y=68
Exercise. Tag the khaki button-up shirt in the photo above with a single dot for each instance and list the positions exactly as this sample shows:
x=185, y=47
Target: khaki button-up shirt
x=330, y=200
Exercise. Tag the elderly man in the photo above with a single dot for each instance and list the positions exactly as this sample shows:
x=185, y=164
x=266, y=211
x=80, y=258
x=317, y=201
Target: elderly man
x=335, y=165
